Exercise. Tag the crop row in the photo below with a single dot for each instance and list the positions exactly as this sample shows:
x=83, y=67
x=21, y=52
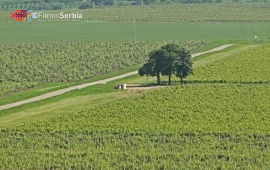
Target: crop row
x=249, y=66
x=173, y=12
x=107, y=151
x=24, y=65
x=192, y=126
x=184, y=12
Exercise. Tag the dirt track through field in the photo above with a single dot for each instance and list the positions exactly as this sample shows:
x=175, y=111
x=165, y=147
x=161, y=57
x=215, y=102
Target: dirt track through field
x=62, y=91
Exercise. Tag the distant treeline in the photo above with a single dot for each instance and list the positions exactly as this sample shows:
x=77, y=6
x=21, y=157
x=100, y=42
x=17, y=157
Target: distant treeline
x=85, y=4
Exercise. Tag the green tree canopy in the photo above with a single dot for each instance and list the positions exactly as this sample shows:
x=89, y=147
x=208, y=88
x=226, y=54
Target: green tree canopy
x=183, y=65
x=171, y=56
x=169, y=59
x=154, y=66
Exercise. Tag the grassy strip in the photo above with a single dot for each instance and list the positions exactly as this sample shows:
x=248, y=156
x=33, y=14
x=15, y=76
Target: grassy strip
x=123, y=31
x=46, y=88
x=91, y=90
x=228, y=50
x=72, y=101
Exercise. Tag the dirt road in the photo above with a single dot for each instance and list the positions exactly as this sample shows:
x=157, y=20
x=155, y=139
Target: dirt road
x=213, y=50
x=59, y=92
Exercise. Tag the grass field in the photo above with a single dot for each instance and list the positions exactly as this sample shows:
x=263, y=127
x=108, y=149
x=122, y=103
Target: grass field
x=145, y=31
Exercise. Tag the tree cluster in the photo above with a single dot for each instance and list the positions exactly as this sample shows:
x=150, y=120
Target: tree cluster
x=169, y=59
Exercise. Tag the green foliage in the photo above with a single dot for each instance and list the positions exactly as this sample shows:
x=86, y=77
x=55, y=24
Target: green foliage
x=184, y=12
x=80, y=3
x=199, y=126
x=109, y=2
x=183, y=66
x=85, y=5
x=154, y=65
x=58, y=6
x=147, y=69
x=24, y=65
x=210, y=126
x=172, y=12
x=249, y=66
x=171, y=55
x=169, y=59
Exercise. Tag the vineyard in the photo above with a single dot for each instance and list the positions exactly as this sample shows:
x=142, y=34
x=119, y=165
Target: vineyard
x=249, y=66
x=218, y=120
x=172, y=13
x=25, y=65
x=184, y=12
x=199, y=125
x=192, y=126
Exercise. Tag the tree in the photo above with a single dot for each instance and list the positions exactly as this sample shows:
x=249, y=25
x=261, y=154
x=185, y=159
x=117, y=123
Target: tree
x=139, y=2
x=171, y=54
x=46, y=6
x=147, y=2
x=85, y=5
x=183, y=65
x=97, y=2
x=108, y=2
x=57, y=6
x=169, y=59
x=154, y=65
x=147, y=69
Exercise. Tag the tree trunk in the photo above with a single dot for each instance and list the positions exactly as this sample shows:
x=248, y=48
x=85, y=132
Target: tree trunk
x=169, y=82
x=181, y=80
x=158, y=78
